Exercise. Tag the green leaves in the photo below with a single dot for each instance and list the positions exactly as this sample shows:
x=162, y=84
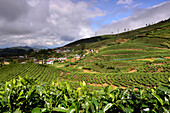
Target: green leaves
x=108, y=106
x=22, y=95
x=36, y=110
x=60, y=109
x=158, y=98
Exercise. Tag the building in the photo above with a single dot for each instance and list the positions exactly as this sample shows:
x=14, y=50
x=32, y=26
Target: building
x=6, y=63
x=77, y=57
x=21, y=57
x=50, y=61
x=40, y=62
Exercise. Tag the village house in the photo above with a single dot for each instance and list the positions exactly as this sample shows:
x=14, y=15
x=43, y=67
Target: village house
x=77, y=57
x=6, y=63
x=50, y=62
x=67, y=50
x=21, y=57
x=62, y=59
x=58, y=51
x=36, y=62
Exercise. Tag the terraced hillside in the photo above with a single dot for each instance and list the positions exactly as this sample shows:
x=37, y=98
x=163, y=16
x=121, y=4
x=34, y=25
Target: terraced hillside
x=134, y=58
x=124, y=59
x=40, y=73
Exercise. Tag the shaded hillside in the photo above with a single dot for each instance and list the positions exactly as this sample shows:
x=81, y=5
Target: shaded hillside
x=15, y=51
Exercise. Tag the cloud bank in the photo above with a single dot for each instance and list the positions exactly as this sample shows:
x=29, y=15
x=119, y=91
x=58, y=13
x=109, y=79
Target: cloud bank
x=45, y=22
x=124, y=1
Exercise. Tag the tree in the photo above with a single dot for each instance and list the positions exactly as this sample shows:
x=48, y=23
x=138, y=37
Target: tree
x=82, y=48
x=30, y=51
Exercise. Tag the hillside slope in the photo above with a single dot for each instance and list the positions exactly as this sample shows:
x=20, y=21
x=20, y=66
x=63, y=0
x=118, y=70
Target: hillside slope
x=160, y=30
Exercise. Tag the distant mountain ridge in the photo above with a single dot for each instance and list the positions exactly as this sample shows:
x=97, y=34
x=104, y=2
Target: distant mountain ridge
x=19, y=50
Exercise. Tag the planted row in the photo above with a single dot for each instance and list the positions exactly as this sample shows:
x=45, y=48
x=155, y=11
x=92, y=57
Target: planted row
x=120, y=79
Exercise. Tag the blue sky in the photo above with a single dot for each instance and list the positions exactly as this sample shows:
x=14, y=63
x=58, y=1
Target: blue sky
x=115, y=12
x=54, y=23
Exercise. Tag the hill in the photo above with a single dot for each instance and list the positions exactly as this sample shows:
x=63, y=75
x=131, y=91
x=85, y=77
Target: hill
x=139, y=53
x=141, y=50
x=160, y=30
x=135, y=64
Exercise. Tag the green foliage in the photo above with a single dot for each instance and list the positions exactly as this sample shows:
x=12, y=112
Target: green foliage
x=38, y=72
x=120, y=79
x=166, y=44
x=24, y=95
x=154, y=68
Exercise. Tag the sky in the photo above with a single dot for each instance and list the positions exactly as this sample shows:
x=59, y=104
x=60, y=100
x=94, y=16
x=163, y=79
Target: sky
x=54, y=23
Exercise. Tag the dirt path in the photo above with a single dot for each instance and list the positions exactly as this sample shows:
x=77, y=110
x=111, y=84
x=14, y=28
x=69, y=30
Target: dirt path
x=118, y=54
x=89, y=71
x=80, y=67
x=61, y=72
x=159, y=64
x=155, y=47
x=132, y=71
x=105, y=84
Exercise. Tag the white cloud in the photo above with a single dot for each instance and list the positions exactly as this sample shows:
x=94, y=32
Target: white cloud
x=139, y=19
x=124, y=1
x=133, y=6
x=45, y=22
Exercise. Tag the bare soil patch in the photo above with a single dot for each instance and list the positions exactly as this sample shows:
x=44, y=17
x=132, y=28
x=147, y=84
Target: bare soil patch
x=118, y=54
x=167, y=57
x=61, y=66
x=99, y=58
x=61, y=72
x=79, y=67
x=105, y=84
x=156, y=47
x=132, y=71
x=159, y=64
x=122, y=40
x=89, y=71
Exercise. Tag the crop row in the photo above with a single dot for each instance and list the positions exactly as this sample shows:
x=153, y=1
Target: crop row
x=154, y=68
x=37, y=72
x=120, y=79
